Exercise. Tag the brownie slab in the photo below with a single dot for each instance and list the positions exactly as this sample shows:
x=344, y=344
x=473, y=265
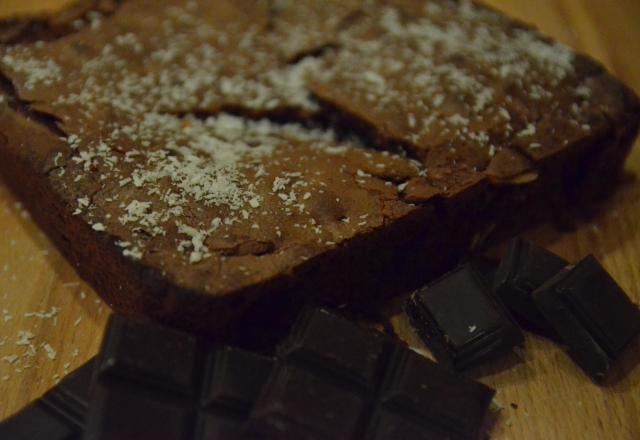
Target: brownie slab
x=206, y=162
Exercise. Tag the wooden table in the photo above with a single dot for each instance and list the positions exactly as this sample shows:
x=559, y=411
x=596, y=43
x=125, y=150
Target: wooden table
x=544, y=397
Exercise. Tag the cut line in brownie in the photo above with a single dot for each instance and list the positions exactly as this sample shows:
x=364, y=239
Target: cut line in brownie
x=196, y=160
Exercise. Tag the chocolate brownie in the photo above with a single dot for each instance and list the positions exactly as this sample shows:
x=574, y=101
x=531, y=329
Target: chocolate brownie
x=203, y=162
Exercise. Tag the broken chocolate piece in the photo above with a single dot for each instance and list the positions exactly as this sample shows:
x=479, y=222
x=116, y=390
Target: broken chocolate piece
x=156, y=382
x=461, y=321
x=337, y=380
x=58, y=415
x=591, y=314
x=524, y=268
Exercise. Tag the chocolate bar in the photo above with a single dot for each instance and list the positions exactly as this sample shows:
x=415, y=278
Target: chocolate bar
x=591, y=314
x=337, y=380
x=57, y=415
x=332, y=379
x=524, y=268
x=159, y=383
x=461, y=321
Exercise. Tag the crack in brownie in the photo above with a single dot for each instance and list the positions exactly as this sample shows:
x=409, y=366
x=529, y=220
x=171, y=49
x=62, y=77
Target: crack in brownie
x=204, y=161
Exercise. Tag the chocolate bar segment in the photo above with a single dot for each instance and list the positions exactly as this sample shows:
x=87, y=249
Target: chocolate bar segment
x=321, y=340
x=461, y=321
x=155, y=382
x=592, y=315
x=387, y=424
x=146, y=353
x=299, y=403
x=120, y=411
x=38, y=422
x=524, y=268
x=57, y=415
x=310, y=395
x=425, y=391
x=235, y=379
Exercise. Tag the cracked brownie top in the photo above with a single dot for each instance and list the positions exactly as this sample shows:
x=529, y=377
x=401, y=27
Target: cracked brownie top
x=208, y=138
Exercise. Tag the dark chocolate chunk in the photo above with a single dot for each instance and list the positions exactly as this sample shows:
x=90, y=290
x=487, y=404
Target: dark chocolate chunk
x=59, y=414
x=334, y=379
x=524, y=268
x=461, y=321
x=591, y=314
x=155, y=382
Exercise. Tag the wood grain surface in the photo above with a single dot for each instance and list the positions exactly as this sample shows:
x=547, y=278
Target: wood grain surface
x=544, y=395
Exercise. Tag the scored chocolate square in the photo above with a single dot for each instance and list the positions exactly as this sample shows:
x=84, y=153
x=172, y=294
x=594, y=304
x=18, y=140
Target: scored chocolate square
x=461, y=321
x=591, y=314
x=297, y=403
x=320, y=340
x=523, y=269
